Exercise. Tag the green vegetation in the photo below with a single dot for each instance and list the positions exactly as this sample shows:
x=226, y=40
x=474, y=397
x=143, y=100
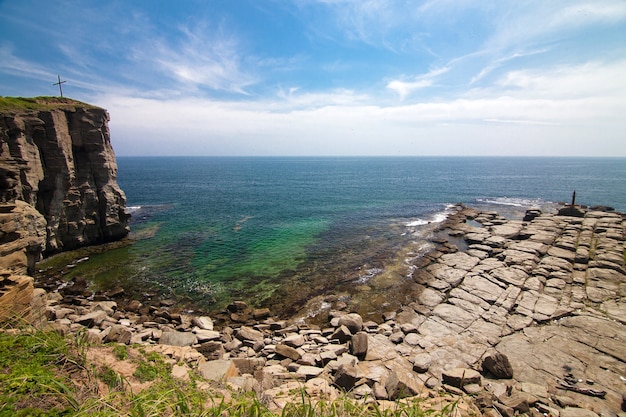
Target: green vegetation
x=120, y=352
x=14, y=104
x=46, y=374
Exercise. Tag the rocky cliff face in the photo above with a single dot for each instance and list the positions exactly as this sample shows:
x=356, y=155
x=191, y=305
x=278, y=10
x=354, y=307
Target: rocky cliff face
x=56, y=156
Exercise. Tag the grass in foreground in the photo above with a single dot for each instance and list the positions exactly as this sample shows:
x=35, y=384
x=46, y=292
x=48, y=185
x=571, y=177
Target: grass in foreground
x=46, y=374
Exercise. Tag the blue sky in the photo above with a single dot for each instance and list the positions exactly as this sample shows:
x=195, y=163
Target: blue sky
x=331, y=77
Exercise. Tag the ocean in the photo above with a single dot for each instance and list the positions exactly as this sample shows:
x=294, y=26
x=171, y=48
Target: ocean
x=283, y=231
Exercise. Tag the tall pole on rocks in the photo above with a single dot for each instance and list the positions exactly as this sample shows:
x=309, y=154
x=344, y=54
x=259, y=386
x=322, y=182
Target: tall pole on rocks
x=60, y=83
x=573, y=198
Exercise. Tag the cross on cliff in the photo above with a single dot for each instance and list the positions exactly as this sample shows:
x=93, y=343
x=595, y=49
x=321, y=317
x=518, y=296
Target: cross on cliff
x=60, y=84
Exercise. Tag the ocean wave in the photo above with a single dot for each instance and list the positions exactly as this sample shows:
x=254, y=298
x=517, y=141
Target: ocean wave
x=132, y=209
x=513, y=201
x=437, y=217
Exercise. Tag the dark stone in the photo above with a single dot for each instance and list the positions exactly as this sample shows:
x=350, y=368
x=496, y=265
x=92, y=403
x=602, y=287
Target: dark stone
x=118, y=334
x=498, y=365
x=237, y=307
x=458, y=377
x=211, y=350
x=352, y=321
x=287, y=352
x=347, y=376
x=358, y=345
x=504, y=410
x=531, y=215
x=572, y=211
x=79, y=285
x=342, y=334
x=261, y=313
x=115, y=292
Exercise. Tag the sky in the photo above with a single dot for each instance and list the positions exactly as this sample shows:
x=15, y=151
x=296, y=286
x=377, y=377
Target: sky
x=331, y=77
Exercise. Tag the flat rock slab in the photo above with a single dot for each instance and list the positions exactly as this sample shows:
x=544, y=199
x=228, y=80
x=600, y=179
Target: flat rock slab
x=459, y=377
x=174, y=338
x=218, y=370
x=587, y=346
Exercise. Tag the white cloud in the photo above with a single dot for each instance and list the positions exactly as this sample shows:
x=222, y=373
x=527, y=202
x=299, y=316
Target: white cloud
x=591, y=79
x=521, y=119
x=405, y=88
x=200, y=56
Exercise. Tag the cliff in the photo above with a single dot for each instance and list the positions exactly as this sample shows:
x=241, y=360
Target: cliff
x=58, y=180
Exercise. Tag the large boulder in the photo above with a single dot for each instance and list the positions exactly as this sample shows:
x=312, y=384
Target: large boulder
x=353, y=321
x=175, y=338
x=498, y=365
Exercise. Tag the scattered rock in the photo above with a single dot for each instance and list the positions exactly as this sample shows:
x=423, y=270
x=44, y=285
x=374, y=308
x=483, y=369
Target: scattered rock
x=174, y=338
x=287, y=352
x=358, y=345
x=498, y=365
x=458, y=377
x=218, y=370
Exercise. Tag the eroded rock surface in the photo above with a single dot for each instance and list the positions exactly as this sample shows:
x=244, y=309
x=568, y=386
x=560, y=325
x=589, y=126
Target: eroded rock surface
x=58, y=158
x=530, y=319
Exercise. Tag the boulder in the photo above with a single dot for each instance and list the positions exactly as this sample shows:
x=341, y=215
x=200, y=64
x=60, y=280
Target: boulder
x=174, y=338
x=261, y=313
x=211, y=350
x=295, y=340
x=458, y=377
x=218, y=370
x=206, y=335
x=347, y=376
x=422, y=362
x=118, y=334
x=498, y=365
x=342, y=334
x=404, y=380
x=309, y=372
x=352, y=321
x=245, y=333
x=358, y=345
x=203, y=322
x=287, y=352
x=92, y=319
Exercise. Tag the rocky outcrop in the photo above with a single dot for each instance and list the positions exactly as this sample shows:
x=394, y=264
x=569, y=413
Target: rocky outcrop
x=22, y=236
x=56, y=155
x=529, y=319
x=58, y=190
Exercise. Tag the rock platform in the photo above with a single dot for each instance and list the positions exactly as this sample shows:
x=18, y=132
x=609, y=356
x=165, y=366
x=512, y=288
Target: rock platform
x=528, y=317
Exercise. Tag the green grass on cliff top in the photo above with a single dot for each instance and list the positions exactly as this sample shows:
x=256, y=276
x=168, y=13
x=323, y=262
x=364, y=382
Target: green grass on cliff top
x=13, y=104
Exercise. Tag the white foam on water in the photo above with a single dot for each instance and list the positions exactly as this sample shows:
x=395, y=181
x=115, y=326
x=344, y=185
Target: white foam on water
x=369, y=274
x=434, y=218
x=132, y=209
x=512, y=201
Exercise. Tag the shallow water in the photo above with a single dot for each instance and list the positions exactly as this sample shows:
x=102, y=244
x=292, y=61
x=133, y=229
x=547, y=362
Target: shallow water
x=278, y=232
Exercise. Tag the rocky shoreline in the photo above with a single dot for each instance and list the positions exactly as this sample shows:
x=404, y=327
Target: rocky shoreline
x=527, y=318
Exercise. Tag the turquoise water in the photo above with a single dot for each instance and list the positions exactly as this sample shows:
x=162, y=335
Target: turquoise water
x=279, y=231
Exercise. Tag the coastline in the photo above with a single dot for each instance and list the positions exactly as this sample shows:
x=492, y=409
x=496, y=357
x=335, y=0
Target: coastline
x=532, y=290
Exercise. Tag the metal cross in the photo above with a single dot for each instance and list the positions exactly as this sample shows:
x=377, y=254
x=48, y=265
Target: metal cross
x=59, y=84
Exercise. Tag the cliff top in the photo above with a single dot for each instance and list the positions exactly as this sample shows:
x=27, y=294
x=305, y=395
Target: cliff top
x=16, y=104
